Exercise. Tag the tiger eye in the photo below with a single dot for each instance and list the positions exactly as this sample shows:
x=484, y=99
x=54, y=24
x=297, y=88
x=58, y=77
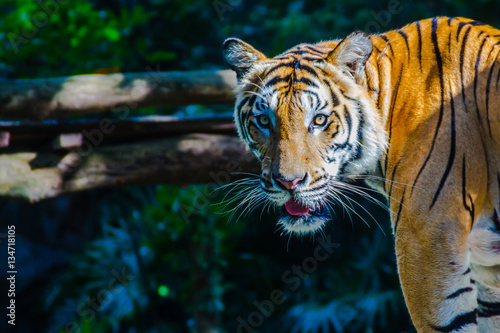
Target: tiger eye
x=263, y=120
x=320, y=120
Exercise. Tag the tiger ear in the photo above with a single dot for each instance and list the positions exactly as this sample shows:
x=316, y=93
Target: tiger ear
x=352, y=53
x=241, y=56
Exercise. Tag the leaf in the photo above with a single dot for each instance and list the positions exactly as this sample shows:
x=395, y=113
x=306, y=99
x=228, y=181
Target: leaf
x=112, y=34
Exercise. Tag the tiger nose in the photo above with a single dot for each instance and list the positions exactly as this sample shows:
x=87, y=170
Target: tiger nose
x=290, y=184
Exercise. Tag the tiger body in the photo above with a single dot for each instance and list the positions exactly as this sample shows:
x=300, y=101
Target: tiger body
x=415, y=110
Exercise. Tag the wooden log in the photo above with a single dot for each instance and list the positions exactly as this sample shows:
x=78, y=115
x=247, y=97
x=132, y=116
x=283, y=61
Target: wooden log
x=34, y=135
x=67, y=141
x=40, y=99
x=4, y=139
x=182, y=160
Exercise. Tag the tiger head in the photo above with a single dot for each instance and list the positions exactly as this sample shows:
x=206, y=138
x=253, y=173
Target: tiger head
x=307, y=116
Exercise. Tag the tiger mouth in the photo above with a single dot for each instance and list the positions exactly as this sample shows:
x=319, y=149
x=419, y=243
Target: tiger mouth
x=301, y=219
x=294, y=208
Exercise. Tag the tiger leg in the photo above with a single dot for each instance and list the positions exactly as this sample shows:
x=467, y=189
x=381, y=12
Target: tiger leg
x=484, y=244
x=433, y=264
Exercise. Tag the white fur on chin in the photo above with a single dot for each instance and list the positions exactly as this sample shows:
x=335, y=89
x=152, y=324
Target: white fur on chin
x=303, y=225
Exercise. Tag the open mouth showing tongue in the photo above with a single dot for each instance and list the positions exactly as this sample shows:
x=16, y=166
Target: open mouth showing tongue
x=293, y=207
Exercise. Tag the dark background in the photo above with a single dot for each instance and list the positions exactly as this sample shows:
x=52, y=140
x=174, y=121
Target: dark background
x=182, y=266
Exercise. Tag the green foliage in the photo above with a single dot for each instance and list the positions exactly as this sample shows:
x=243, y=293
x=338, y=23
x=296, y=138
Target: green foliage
x=168, y=252
x=66, y=38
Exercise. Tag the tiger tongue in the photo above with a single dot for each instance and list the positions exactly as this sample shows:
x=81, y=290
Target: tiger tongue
x=293, y=207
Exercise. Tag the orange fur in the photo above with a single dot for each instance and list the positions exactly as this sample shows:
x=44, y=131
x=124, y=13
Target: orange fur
x=425, y=101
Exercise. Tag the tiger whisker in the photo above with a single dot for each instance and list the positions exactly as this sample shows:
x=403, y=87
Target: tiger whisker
x=361, y=191
x=366, y=210
x=368, y=176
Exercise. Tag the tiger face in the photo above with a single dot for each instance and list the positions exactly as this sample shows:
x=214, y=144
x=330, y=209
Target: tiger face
x=306, y=114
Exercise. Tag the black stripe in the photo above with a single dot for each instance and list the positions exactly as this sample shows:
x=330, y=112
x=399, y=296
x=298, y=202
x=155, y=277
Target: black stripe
x=242, y=103
x=384, y=37
x=379, y=95
x=488, y=82
x=244, y=121
x=277, y=79
x=487, y=313
x=462, y=54
x=498, y=180
x=441, y=107
x=399, y=211
x=327, y=128
x=313, y=49
x=459, y=30
x=298, y=52
x=382, y=172
x=310, y=59
x=488, y=309
x=459, y=292
x=348, y=120
x=392, y=178
x=252, y=100
x=461, y=25
x=291, y=57
x=498, y=78
x=392, y=108
x=467, y=271
x=451, y=157
x=476, y=23
x=306, y=81
x=335, y=100
x=490, y=305
x=419, y=45
x=476, y=74
x=488, y=99
x=304, y=67
x=402, y=33
x=359, y=140
x=281, y=65
x=473, y=209
x=464, y=191
x=267, y=183
x=459, y=322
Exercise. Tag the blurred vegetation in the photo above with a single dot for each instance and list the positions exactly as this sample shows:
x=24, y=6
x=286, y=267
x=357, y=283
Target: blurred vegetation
x=163, y=259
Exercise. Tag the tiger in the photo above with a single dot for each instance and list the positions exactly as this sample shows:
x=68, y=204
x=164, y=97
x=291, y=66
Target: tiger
x=414, y=111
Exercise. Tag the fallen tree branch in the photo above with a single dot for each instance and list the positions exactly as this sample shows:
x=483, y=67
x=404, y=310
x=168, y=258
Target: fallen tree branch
x=40, y=99
x=38, y=134
x=188, y=159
